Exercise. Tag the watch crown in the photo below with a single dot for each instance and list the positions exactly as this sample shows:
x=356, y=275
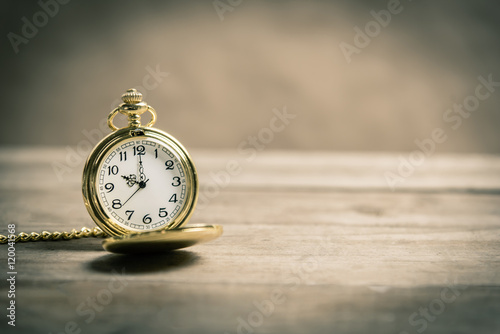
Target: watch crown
x=132, y=96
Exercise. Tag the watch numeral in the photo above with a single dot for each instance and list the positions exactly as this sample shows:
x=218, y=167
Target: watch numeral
x=169, y=164
x=146, y=219
x=156, y=153
x=177, y=181
x=117, y=204
x=139, y=150
x=129, y=213
x=123, y=156
x=109, y=187
x=113, y=170
x=162, y=213
x=173, y=198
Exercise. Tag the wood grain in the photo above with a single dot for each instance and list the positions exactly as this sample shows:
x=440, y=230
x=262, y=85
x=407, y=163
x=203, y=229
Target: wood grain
x=323, y=231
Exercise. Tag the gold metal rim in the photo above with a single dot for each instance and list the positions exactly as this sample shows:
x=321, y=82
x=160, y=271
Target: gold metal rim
x=162, y=241
x=90, y=173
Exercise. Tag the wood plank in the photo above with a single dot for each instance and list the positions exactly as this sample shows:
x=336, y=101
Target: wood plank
x=215, y=308
x=422, y=239
x=32, y=168
x=349, y=256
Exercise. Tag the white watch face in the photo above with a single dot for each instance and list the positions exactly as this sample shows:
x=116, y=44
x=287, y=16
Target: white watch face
x=141, y=184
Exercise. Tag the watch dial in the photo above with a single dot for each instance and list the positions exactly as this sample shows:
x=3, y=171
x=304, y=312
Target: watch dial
x=141, y=184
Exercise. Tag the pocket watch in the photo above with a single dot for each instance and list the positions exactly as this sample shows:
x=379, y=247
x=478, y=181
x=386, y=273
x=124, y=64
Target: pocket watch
x=138, y=178
x=139, y=186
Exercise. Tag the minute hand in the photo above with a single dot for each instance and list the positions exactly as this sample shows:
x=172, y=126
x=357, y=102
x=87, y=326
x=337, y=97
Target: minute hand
x=142, y=176
x=142, y=184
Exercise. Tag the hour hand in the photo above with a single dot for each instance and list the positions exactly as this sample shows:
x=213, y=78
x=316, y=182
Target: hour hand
x=131, y=179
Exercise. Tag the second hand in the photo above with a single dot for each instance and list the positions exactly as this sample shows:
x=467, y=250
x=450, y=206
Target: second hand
x=142, y=184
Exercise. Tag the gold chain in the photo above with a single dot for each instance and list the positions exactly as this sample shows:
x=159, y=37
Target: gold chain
x=85, y=232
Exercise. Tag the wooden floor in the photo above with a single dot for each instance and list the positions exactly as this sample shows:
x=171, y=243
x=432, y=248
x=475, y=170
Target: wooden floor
x=313, y=243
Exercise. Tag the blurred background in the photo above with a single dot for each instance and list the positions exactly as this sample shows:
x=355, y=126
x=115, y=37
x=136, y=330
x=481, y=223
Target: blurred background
x=215, y=70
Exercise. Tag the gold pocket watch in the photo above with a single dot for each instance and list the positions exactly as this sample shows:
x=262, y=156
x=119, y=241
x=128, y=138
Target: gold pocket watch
x=140, y=187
